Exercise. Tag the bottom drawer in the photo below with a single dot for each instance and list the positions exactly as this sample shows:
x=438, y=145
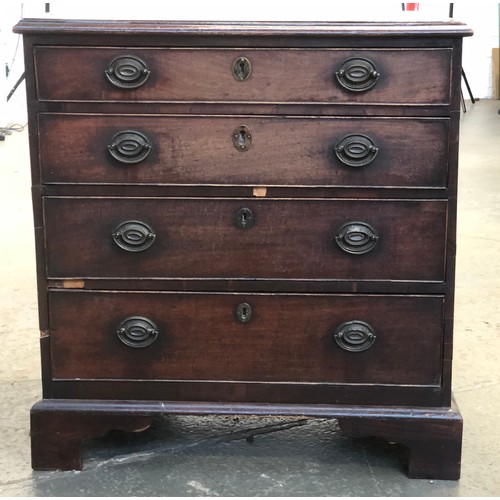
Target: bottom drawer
x=352, y=339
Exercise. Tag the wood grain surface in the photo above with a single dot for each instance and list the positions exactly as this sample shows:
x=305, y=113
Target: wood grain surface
x=284, y=151
x=411, y=76
x=290, y=239
x=289, y=337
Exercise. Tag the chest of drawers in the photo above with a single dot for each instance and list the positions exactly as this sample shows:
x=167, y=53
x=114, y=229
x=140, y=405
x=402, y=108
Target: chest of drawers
x=246, y=218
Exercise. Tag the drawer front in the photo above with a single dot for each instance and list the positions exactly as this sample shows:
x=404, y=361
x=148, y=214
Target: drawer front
x=245, y=238
x=407, y=76
x=292, y=338
x=243, y=150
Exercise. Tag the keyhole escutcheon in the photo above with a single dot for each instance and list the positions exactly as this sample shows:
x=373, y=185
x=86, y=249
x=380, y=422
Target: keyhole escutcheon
x=245, y=218
x=242, y=69
x=244, y=312
x=242, y=138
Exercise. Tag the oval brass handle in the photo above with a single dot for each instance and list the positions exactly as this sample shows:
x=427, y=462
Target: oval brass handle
x=357, y=74
x=134, y=236
x=355, y=336
x=127, y=72
x=245, y=218
x=242, y=68
x=356, y=237
x=137, y=331
x=244, y=312
x=129, y=146
x=356, y=150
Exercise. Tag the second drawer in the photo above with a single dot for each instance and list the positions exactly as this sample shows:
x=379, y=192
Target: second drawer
x=244, y=150
x=245, y=238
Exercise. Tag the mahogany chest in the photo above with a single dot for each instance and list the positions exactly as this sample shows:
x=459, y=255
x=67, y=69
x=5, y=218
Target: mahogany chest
x=253, y=218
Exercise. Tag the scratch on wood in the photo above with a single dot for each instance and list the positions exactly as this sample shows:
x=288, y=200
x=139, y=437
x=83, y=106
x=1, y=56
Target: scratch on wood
x=260, y=191
x=73, y=284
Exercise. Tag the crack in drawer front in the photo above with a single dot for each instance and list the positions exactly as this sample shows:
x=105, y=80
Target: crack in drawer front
x=125, y=149
x=289, y=337
x=402, y=76
x=245, y=238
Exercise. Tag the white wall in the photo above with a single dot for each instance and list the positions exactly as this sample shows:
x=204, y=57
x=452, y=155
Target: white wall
x=477, y=63
x=11, y=53
x=477, y=60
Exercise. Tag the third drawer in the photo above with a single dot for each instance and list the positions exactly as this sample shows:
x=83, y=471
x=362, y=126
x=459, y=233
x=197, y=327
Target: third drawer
x=322, y=239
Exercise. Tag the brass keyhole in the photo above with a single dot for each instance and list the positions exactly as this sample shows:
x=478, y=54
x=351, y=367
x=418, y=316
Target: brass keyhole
x=242, y=68
x=242, y=138
x=244, y=312
x=245, y=218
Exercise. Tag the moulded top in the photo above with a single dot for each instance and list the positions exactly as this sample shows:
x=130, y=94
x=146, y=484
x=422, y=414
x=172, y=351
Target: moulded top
x=254, y=28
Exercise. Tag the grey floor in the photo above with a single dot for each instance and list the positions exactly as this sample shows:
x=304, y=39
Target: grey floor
x=250, y=456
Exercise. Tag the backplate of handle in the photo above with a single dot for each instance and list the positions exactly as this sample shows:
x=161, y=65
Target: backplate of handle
x=137, y=331
x=356, y=150
x=134, y=236
x=129, y=146
x=127, y=72
x=357, y=74
x=355, y=336
x=356, y=237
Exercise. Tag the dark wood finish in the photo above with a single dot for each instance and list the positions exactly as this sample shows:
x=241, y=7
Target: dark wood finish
x=250, y=285
x=432, y=435
x=284, y=151
x=57, y=436
x=248, y=108
x=289, y=338
x=287, y=267
x=434, y=441
x=206, y=75
x=204, y=30
x=252, y=392
x=218, y=191
x=290, y=239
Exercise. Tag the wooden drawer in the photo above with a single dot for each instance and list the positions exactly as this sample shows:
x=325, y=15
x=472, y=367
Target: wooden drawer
x=280, y=151
x=104, y=335
x=407, y=76
x=278, y=238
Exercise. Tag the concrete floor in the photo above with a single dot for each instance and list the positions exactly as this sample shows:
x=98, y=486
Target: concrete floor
x=250, y=456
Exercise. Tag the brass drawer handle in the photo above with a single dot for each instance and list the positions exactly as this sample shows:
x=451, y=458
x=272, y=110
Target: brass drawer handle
x=244, y=312
x=137, y=331
x=355, y=336
x=356, y=237
x=245, y=218
x=356, y=150
x=129, y=146
x=242, y=69
x=357, y=74
x=134, y=236
x=127, y=72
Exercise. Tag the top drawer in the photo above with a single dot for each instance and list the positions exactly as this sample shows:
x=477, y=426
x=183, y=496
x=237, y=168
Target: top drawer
x=361, y=76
